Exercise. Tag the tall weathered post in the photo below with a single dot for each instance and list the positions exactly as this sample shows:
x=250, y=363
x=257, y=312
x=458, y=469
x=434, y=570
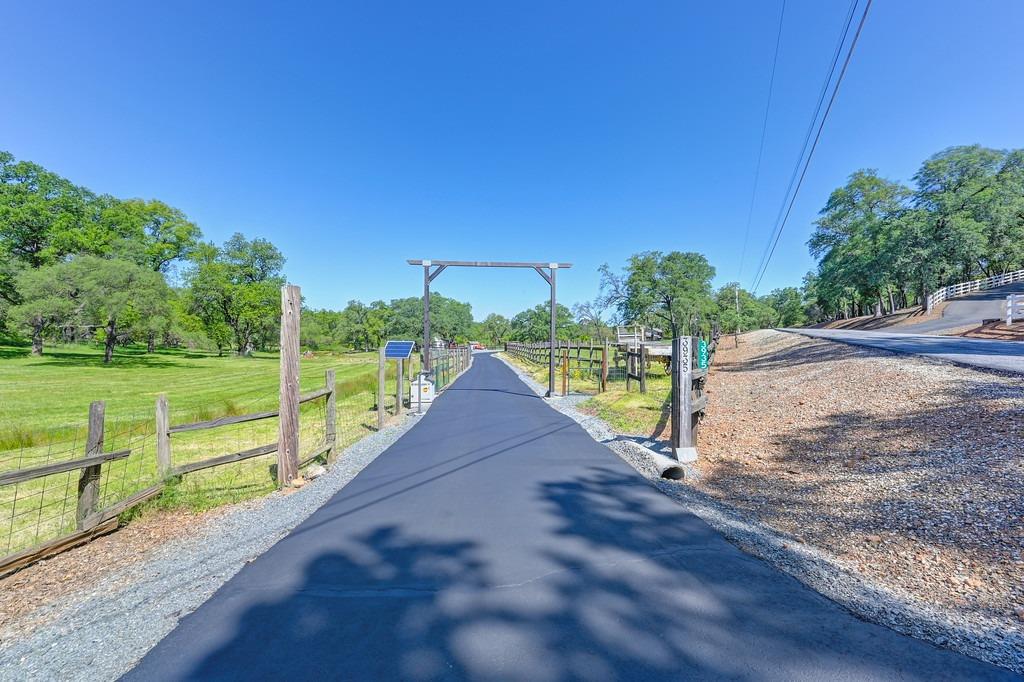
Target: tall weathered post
x=288, y=413
x=604, y=366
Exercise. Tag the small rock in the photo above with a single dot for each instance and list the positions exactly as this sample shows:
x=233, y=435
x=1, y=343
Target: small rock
x=1019, y=612
x=873, y=539
x=315, y=471
x=298, y=482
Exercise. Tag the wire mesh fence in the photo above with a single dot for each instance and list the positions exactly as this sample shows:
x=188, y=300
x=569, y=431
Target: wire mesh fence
x=448, y=363
x=40, y=507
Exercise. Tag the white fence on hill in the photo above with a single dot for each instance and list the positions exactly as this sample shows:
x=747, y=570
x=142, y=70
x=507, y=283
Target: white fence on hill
x=954, y=290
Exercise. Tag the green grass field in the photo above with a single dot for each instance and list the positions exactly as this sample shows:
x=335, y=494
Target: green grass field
x=44, y=404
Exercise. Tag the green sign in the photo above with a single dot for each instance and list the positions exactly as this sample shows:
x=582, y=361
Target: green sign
x=702, y=354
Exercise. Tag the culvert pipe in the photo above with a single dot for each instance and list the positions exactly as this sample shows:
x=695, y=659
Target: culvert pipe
x=668, y=467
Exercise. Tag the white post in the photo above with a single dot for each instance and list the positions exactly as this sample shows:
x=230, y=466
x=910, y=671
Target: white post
x=1009, y=310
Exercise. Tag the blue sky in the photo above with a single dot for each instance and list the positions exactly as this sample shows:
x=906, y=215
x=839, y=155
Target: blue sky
x=356, y=135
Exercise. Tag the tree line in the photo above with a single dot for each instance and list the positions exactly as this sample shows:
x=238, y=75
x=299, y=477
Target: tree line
x=883, y=245
x=80, y=266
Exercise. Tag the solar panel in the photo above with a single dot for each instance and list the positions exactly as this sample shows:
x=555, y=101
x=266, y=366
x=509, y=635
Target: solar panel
x=398, y=350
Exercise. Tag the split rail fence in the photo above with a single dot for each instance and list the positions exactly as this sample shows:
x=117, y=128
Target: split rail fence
x=99, y=497
x=57, y=496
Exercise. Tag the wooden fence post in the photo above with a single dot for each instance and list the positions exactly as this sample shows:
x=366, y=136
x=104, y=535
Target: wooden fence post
x=565, y=371
x=381, y=368
x=604, y=367
x=643, y=368
x=288, y=420
x=331, y=428
x=399, y=377
x=89, y=480
x=163, y=437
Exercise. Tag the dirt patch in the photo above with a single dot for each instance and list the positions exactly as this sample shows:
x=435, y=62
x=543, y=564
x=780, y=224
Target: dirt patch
x=905, y=316
x=911, y=472
x=59, y=579
x=998, y=331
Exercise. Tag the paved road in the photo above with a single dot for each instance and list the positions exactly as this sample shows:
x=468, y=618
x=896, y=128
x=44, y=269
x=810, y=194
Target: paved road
x=970, y=309
x=497, y=541
x=1002, y=355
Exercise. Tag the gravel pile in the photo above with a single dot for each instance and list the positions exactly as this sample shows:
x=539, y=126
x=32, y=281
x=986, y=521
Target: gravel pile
x=100, y=633
x=931, y=548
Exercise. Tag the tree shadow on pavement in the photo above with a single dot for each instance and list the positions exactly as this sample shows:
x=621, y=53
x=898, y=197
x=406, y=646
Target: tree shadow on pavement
x=625, y=586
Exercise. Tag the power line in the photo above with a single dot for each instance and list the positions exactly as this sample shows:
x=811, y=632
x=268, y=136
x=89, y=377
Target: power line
x=780, y=225
x=847, y=23
x=760, y=150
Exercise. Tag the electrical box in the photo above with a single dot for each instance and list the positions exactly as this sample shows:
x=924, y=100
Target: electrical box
x=421, y=391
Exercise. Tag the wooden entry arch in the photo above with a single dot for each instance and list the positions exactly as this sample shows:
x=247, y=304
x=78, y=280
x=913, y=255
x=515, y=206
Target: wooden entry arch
x=433, y=268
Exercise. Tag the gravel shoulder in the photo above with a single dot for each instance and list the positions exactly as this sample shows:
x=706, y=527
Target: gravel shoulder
x=813, y=458
x=121, y=610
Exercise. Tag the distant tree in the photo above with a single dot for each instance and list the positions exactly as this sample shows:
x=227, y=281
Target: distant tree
x=754, y=312
x=788, y=304
x=534, y=324
x=117, y=294
x=150, y=233
x=590, y=319
x=495, y=329
x=671, y=290
x=237, y=287
x=36, y=208
x=51, y=297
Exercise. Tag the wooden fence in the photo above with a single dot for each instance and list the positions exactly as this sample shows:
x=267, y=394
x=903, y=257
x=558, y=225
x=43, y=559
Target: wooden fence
x=601, y=363
x=91, y=520
x=962, y=288
x=573, y=359
x=688, y=372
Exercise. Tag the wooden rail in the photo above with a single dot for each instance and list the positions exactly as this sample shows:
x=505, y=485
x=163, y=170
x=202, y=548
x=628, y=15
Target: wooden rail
x=20, y=475
x=223, y=459
x=242, y=418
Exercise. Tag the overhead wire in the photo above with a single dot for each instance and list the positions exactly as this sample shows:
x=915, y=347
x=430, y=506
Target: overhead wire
x=805, y=155
x=764, y=134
